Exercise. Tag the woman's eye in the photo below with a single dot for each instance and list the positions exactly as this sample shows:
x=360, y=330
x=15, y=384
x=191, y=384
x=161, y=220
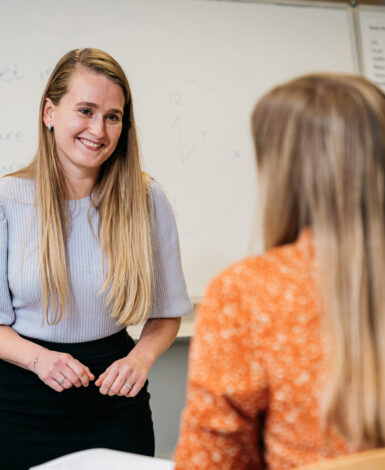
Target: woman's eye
x=85, y=111
x=113, y=117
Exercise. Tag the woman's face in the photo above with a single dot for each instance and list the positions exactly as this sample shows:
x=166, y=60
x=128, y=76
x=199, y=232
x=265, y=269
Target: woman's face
x=86, y=123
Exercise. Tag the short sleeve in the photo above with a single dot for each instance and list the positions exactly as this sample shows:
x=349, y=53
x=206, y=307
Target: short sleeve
x=169, y=297
x=7, y=315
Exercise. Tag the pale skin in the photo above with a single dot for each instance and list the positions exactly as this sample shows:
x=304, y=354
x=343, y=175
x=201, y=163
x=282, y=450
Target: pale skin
x=87, y=124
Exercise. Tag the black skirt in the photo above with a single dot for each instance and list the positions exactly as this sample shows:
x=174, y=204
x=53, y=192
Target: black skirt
x=38, y=424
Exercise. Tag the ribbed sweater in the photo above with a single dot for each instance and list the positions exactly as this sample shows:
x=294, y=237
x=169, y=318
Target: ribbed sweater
x=87, y=318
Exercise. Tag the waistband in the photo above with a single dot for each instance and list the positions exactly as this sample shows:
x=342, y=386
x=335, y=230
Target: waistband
x=118, y=342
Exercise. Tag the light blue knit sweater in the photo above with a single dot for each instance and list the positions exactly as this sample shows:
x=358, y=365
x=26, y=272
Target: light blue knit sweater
x=88, y=318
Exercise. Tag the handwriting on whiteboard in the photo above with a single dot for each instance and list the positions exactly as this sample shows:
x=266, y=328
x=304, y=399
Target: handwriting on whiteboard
x=373, y=47
x=190, y=142
x=10, y=73
x=11, y=136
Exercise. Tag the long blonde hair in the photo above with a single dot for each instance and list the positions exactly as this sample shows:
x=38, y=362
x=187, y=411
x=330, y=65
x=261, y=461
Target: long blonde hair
x=320, y=146
x=120, y=197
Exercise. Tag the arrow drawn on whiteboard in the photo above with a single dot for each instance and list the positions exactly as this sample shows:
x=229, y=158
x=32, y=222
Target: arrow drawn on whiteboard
x=198, y=142
x=176, y=99
x=176, y=125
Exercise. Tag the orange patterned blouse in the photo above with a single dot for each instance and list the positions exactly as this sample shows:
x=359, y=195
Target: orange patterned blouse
x=257, y=361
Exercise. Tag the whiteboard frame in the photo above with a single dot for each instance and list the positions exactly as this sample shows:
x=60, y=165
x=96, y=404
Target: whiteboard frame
x=303, y=3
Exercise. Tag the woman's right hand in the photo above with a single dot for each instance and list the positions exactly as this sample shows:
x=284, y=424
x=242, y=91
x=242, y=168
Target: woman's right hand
x=61, y=371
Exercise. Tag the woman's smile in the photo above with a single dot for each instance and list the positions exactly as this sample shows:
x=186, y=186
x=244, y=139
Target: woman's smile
x=87, y=123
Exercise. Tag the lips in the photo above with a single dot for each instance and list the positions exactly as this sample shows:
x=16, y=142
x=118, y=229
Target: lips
x=89, y=144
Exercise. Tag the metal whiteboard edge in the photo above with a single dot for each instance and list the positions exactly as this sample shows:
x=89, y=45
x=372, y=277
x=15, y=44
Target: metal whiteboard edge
x=359, y=42
x=300, y=3
x=371, y=8
x=356, y=41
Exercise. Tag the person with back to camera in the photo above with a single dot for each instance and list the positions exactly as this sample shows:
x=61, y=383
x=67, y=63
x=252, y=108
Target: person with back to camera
x=88, y=245
x=286, y=366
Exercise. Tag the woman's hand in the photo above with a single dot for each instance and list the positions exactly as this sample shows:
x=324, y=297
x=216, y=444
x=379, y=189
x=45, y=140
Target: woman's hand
x=126, y=376
x=61, y=371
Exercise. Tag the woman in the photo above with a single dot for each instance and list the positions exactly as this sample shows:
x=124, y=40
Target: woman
x=287, y=363
x=88, y=246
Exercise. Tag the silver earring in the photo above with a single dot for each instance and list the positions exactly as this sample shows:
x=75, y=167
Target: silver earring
x=49, y=127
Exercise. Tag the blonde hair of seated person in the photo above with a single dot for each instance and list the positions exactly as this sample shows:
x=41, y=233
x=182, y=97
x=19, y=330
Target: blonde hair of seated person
x=320, y=146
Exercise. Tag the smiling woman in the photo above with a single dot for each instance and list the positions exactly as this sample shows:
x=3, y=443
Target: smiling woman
x=107, y=257
x=88, y=124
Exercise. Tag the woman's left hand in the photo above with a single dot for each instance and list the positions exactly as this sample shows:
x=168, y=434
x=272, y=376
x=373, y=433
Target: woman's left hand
x=126, y=376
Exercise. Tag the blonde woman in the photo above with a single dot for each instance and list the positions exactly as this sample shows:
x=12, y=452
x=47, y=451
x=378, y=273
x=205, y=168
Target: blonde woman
x=287, y=363
x=88, y=245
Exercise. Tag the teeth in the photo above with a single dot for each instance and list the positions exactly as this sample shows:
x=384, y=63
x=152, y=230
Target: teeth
x=90, y=144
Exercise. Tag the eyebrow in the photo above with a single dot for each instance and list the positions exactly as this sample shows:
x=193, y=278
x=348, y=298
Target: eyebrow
x=95, y=106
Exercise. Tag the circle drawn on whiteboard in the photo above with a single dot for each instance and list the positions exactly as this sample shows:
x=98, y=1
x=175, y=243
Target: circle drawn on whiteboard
x=191, y=140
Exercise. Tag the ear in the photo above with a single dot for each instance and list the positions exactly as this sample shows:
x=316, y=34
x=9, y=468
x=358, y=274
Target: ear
x=48, y=112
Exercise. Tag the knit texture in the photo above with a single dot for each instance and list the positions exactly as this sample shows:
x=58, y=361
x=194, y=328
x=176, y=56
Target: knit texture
x=87, y=318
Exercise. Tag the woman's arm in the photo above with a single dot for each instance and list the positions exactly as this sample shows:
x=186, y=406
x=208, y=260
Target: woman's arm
x=17, y=350
x=50, y=366
x=157, y=336
x=169, y=297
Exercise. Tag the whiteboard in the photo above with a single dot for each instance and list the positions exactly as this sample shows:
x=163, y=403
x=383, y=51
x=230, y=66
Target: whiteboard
x=372, y=32
x=196, y=68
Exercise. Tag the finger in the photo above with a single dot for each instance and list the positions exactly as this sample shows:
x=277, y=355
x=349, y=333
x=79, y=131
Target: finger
x=137, y=383
x=54, y=384
x=108, y=381
x=119, y=385
x=127, y=385
x=89, y=373
x=101, y=378
x=65, y=382
x=126, y=389
x=72, y=369
x=86, y=370
x=137, y=386
x=103, y=375
x=71, y=376
x=80, y=371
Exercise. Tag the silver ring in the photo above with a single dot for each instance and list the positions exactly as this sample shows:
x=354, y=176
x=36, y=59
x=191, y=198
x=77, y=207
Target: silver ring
x=60, y=381
x=128, y=386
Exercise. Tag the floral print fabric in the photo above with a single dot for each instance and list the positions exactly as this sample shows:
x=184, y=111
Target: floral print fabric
x=258, y=351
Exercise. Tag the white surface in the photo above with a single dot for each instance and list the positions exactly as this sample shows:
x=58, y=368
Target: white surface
x=186, y=329
x=372, y=28
x=105, y=459
x=196, y=69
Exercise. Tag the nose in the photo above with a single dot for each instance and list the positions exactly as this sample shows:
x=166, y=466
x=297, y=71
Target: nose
x=97, y=126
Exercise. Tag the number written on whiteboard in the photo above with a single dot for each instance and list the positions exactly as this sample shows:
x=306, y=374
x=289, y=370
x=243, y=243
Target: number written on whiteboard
x=10, y=73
